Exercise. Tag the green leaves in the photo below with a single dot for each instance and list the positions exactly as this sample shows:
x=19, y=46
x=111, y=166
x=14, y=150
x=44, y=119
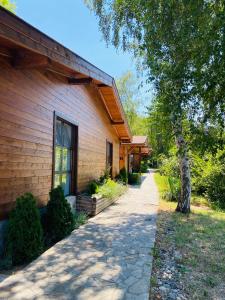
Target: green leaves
x=8, y=5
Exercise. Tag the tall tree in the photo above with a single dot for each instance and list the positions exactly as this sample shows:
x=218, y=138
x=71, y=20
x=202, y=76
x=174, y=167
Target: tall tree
x=11, y=6
x=182, y=44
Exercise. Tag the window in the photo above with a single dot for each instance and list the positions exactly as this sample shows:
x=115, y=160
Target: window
x=64, y=156
x=109, y=156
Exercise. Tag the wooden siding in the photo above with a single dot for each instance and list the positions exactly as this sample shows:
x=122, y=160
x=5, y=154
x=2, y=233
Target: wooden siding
x=28, y=99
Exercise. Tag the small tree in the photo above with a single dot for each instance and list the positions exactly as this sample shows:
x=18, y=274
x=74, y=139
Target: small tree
x=59, y=218
x=25, y=236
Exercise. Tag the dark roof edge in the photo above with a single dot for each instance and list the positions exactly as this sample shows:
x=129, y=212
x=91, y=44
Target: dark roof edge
x=53, y=40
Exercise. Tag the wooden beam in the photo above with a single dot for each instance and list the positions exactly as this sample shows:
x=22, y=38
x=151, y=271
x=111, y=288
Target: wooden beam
x=24, y=35
x=102, y=85
x=117, y=122
x=80, y=81
x=5, y=52
x=27, y=60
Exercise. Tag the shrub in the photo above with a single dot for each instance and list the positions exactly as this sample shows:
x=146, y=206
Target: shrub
x=25, y=236
x=215, y=186
x=169, y=166
x=208, y=177
x=122, y=176
x=134, y=178
x=79, y=219
x=93, y=187
x=173, y=192
x=59, y=221
x=111, y=189
x=144, y=166
x=105, y=176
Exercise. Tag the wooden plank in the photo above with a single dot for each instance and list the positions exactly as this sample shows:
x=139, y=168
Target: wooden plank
x=16, y=30
x=28, y=60
x=80, y=81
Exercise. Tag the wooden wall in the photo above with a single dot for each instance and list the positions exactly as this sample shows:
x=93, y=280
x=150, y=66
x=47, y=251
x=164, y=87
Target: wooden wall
x=28, y=99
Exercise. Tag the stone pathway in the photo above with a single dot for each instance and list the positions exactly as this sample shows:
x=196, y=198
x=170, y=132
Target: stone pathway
x=109, y=258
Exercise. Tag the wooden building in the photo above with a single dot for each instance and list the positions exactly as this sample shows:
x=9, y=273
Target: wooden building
x=61, y=119
x=136, y=150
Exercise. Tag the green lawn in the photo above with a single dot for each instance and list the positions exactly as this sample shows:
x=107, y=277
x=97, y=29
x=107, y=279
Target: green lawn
x=200, y=238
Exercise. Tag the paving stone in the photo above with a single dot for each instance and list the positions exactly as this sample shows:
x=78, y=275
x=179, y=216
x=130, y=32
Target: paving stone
x=107, y=258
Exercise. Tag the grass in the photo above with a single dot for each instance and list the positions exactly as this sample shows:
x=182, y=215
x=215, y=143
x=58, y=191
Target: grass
x=79, y=219
x=200, y=238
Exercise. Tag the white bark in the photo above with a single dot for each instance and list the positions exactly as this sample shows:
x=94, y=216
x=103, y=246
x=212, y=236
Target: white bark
x=184, y=200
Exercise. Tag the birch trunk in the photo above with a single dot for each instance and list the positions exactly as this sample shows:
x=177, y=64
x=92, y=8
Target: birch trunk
x=184, y=200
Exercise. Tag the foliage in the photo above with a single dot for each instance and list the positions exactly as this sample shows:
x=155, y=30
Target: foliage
x=129, y=88
x=134, y=178
x=24, y=235
x=79, y=219
x=105, y=176
x=169, y=165
x=181, y=45
x=160, y=132
x=162, y=183
x=93, y=187
x=59, y=221
x=111, y=189
x=122, y=176
x=11, y=6
x=144, y=165
x=208, y=176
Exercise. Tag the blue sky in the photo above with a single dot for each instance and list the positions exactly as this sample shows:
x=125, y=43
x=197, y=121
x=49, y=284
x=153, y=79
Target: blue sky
x=73, y=25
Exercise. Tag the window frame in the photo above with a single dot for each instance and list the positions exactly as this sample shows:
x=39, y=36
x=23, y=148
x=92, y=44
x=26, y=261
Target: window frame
x=74, y=149
x=111, y=145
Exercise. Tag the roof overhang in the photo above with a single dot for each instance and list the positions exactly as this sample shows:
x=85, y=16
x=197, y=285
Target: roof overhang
x=140, y=143
x=28, y=48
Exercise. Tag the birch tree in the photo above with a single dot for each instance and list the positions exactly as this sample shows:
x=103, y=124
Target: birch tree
x=181, y=44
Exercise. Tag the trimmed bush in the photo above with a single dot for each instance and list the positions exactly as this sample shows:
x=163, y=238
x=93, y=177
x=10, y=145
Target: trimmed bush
x=24, y=236
x=122, y=176
x=59, y=221
x=92, y=187
x=134, y=178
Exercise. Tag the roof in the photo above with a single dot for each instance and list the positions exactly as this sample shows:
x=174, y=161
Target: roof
x=139, y=139
x=28, y=47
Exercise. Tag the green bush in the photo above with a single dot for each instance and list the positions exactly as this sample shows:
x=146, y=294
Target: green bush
x=144, y=166
x=93, y=187
x=215, y=190
x=111, y=189
x=79, y=219
x=174, y=187
x=208, y=177
x=122, y=176
x=59, y=221
x=105, y=176
x=134, y=178
x=24, y=236
x=169, y=166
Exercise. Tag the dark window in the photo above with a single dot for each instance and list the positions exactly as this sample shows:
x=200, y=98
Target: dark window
x=64, y=168
x=109, y=156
